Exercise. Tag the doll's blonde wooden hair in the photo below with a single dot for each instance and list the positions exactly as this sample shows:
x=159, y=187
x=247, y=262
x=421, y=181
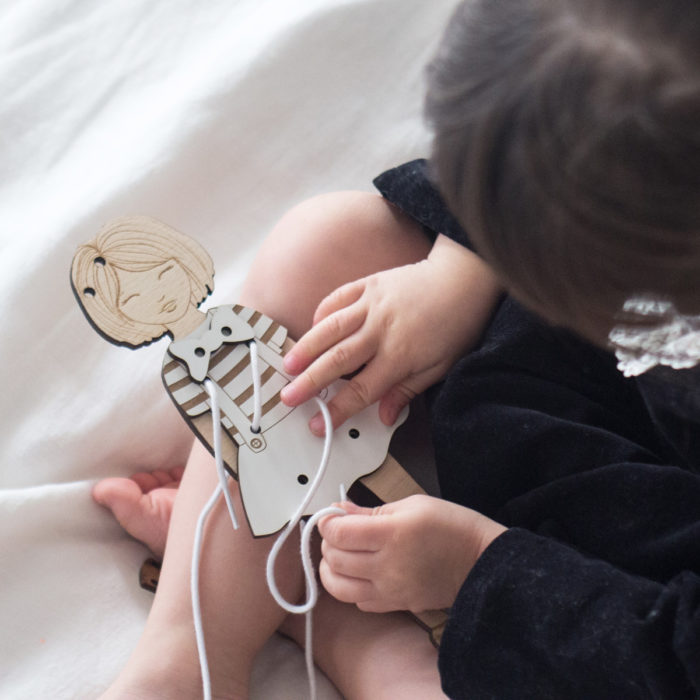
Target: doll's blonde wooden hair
x=134, y=244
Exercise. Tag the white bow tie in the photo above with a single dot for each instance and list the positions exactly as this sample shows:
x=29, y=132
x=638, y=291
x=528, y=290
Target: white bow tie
x=224, y=327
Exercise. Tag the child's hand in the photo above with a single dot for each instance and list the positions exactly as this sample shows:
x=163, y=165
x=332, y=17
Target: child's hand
x=413, y=554
x=404, y=327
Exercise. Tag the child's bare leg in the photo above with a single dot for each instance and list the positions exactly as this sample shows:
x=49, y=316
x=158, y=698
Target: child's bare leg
x=369, y=655
x=237, y=611
x=316, y=247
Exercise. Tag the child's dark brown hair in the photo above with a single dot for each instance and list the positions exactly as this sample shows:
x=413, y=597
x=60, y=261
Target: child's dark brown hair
x=567, y=142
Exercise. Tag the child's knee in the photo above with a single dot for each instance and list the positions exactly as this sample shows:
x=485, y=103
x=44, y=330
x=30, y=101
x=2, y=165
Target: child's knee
x=333, y=219
x=323, y=243
x=348, y=229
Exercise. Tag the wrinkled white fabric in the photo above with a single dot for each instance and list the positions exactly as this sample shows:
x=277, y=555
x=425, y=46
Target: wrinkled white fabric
x=671, y=340
x=215, y=117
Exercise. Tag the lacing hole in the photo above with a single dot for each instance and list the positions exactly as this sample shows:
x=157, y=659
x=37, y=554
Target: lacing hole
x=99, y=260
x=226, y=331
x=354, y=433
x=199, y=352
x=255, y=430
x=303, y=479
x=89, y=292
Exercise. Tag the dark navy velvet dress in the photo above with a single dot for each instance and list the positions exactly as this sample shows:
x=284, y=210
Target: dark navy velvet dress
x=594, y=591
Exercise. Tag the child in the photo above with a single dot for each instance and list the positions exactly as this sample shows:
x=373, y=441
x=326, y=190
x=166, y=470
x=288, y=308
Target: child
x=567, y=146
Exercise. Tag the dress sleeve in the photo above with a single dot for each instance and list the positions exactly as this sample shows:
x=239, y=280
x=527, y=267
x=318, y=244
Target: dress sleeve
x=411, y=188
x=538, y=619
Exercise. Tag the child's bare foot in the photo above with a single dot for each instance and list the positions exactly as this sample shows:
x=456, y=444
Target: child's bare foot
x=142, y=504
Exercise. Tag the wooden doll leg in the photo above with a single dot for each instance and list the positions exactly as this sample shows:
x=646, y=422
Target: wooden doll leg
x=323, y=243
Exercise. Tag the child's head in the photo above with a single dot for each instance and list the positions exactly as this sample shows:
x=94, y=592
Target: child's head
x=567, y=141
x=135, y=244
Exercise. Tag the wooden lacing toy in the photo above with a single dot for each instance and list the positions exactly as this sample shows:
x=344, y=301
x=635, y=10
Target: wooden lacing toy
x=140, y=279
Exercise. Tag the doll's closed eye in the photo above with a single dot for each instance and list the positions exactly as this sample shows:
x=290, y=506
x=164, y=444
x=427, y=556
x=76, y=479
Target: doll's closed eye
x=129, y=298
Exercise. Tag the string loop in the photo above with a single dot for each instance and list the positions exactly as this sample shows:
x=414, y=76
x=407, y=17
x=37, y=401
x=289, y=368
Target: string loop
x=296, y=519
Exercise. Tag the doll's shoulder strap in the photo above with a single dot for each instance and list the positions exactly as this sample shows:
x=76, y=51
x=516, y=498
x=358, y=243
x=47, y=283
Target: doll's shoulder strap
x=271, y=336
x=266, y=330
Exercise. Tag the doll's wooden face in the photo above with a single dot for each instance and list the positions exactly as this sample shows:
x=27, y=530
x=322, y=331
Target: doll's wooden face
x=161, y=295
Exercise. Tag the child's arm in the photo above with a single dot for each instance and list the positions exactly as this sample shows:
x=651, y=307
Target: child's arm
x=407, y=326
x=412, y=554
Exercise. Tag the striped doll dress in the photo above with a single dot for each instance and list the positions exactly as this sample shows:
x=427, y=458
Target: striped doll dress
x=230, y=369
x=276, y=464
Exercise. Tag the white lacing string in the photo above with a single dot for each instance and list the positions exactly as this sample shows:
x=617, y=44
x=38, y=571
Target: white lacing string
x=257, y=391
x=218, y=458
x=221, y=487
x=194, y=588
x=307, y=565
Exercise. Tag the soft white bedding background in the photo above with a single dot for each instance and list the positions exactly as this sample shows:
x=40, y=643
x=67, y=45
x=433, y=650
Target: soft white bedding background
x=216, y=117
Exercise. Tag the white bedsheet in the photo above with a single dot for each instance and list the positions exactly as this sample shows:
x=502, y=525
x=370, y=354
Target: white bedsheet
x=216, y=117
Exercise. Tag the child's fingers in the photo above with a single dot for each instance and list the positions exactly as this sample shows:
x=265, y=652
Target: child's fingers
x=351, y=564
x=393, y=402
x=349, y=507
x=326, y=353
x=345, y=588
x=354, y=532
x=322, y=337
x=341, y=297
x=343, y=358
x=364, y=389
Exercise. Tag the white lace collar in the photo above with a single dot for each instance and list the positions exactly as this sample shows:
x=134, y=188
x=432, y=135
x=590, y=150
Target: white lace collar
x=674, y=341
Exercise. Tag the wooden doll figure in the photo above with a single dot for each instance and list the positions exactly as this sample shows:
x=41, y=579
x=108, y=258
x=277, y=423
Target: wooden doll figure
x=140, y=279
